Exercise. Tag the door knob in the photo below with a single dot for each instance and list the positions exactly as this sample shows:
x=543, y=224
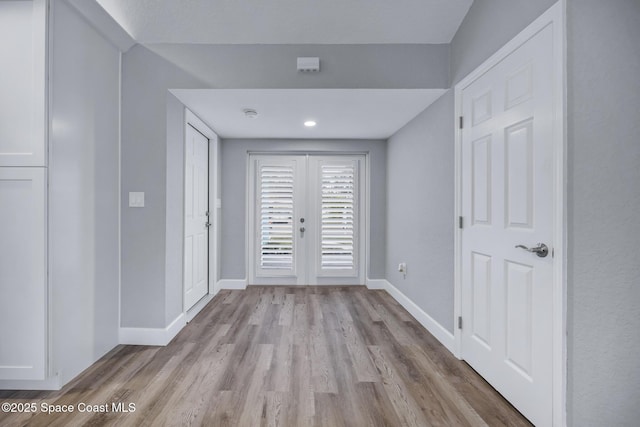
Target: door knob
x=302, y=229
x=541, y=250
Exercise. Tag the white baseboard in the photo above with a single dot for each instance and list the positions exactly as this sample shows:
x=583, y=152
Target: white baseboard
x=231, y=284
x=52, y=383
x=152, y=336
x=445, y=337
x=193, y=311
x=377, y=284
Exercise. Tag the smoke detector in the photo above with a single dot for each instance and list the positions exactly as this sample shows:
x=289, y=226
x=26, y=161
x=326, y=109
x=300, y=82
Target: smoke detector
x=250, y=113
x=308, y=64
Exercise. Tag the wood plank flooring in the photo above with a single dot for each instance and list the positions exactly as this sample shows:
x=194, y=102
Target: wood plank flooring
x=282, y=356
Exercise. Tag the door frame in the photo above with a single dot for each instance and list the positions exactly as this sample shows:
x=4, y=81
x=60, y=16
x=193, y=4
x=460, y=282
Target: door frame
x=190, y=119
x=555, y=17
x=364, y=211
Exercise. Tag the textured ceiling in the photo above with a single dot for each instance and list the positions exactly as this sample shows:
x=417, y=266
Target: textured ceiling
x=289, y=21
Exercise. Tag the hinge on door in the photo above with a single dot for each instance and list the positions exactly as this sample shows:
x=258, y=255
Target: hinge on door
x=459, y=322
x=461, y=122
x=460, y=222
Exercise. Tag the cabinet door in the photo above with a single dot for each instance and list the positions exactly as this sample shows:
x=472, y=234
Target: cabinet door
x=22, y=86
x=22, y=273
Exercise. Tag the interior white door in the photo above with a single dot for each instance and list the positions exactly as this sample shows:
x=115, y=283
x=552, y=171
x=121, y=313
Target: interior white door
x=306, y=223
x=196, y=217
x=507, y=201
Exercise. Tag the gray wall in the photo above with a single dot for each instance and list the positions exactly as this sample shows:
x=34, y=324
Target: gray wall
x=149, y=159
x=420, y=210
x=174, y=208
x=342, y=66
x=83, y=188
x=488, y=26
x=234, y=186
x=603, y=203
x=144, y=291
x=603, y=193
x=418, y=223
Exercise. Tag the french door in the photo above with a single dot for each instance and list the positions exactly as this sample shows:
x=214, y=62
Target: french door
x=306, y=219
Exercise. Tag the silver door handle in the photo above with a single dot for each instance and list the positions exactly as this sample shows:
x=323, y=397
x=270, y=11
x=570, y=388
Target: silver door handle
x=541, y=250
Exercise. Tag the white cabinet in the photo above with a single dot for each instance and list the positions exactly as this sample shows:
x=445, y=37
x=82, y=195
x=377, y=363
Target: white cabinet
x=23, y=190
x=22, y=273
x=59, y=193
x=22, y=83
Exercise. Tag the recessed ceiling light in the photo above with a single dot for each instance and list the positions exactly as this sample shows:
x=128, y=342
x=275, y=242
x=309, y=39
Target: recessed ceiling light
x=310, y=123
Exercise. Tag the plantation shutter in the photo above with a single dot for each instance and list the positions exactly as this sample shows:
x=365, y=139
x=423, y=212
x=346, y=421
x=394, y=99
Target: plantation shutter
x=276, y=198
x=338, y=213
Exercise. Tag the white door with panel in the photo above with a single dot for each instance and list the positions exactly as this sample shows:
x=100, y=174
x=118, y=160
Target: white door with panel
x=306, y=219
x=23, y=273
x=196, y=217
x=508, y=213
x=23, y=118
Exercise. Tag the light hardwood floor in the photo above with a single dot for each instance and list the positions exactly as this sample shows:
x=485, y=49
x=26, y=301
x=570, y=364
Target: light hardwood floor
x=283, y=356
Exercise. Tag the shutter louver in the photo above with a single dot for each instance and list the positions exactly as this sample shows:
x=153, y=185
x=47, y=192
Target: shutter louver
x=338, y=214
x=276, y=217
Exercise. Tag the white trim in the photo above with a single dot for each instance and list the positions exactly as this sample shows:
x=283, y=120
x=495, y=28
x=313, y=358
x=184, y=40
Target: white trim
x=457, y=233
x=190, y=118
x=214, y=231
x=445, y=337
x=48, y=105
x=559, y=309
x=103, y=23
x=197, y=308
x=195, y=121
x=51, y=383
x=249, y=238
x=377, y=284
x=231, y=284
x=119, y=194
x=152, y=336
x=42, y=37
x=366, y=229
x=554, y=16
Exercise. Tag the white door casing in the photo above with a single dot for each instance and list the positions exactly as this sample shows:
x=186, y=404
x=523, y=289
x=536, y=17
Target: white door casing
x=510, y=186
x=196, y=216
x=305, y=220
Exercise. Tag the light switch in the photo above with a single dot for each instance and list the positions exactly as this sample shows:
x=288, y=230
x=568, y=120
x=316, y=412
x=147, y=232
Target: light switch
x=136, y=199
x=218, y=203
